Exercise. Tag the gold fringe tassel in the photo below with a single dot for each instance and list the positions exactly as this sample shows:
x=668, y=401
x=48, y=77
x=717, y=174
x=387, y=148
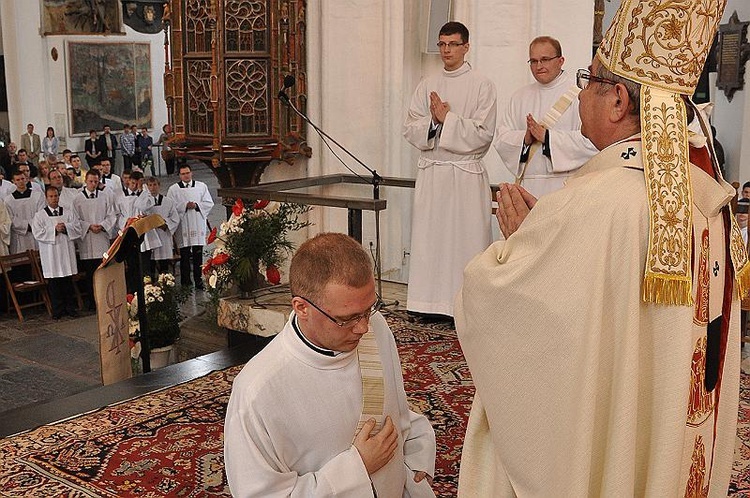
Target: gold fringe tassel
x=743, y=281
x=664, y=289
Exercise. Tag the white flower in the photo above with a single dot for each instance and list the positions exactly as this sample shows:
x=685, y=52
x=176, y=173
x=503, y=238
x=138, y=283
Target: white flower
x=273, y=207
x=135, y=351
x=160, y=299
x=149, y=299
x=212, y=280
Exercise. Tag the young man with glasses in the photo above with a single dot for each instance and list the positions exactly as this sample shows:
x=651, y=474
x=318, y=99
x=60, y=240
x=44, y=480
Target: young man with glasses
x=451, y=122
x=543, y=151
x=298, y=423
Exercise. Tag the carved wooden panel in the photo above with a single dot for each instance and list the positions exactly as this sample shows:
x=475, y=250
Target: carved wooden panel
x=198, y=29
x=200, y=113
x=227, y=63
x=247, y=98
x=246, y=26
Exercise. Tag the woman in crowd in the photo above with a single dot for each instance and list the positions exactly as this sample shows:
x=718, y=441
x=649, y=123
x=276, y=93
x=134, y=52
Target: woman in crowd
x=50, y=143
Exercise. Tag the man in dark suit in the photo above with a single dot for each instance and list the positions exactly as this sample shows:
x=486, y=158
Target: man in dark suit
x=108, y=145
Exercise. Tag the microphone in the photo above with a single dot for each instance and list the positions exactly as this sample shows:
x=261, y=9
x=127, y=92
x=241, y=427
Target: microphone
x=289, y=81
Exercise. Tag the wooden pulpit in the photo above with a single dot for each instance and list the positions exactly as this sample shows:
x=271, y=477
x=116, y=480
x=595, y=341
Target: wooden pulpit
x=226, y=63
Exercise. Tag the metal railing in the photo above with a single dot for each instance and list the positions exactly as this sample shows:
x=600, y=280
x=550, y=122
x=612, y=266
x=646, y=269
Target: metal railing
x=159, y=164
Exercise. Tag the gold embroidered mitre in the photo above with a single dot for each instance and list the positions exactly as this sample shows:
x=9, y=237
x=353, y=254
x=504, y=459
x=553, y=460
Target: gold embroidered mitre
x=663, y=45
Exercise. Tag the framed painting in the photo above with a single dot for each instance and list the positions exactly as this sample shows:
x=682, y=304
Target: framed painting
x=81, y=17
x=108, y=83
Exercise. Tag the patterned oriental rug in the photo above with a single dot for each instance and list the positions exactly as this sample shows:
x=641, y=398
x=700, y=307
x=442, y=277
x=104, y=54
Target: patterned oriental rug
x=740, y=485
x=169, y=443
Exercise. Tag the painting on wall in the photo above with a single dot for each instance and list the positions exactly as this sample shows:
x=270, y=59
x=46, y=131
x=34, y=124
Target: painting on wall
x=81, y=17
x=108, y=83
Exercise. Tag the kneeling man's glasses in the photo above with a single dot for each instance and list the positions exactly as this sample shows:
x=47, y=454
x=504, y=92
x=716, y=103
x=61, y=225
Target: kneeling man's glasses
x=349, y=322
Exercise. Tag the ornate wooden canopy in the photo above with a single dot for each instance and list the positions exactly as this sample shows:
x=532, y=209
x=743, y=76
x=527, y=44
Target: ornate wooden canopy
x=226, y=62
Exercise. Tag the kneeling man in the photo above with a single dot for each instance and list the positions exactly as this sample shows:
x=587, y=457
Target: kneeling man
x=322, y=411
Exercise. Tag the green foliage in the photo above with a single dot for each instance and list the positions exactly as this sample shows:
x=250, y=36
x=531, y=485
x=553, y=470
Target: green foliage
x=250, y=240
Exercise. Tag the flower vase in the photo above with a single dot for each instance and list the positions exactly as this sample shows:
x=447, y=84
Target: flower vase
x=161, y=357
x=254, y=282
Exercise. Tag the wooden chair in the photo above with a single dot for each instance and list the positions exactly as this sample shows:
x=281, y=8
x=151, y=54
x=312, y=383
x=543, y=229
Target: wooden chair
x=77, y=278
x=35, y=286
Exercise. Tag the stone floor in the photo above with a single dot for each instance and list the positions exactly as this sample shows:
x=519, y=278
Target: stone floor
x=43, y=359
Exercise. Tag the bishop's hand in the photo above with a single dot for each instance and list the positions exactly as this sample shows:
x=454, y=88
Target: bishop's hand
x=513, y=206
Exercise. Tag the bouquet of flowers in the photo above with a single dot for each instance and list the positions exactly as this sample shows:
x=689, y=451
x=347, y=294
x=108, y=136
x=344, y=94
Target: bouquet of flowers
x=251, y=245
x=163, y=302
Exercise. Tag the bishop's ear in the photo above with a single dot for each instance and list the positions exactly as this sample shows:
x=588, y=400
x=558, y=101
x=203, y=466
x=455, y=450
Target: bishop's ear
x=621, y=106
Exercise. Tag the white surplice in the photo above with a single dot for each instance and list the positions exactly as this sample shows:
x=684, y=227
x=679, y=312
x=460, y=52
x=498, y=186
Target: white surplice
x=125, y=208
x=94, y=211
x=6, y=188
x=293, y=415
x=192, y=230
x=67, y=196
x=113, y=182
x=56, y=250
x=452, y=199
x=159, y=241
x=5, y=227
x=22, y=211
x=568, y=148
x=583, y=389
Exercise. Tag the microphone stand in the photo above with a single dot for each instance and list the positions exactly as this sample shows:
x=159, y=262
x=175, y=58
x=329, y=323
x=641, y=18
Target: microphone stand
x=375, y=182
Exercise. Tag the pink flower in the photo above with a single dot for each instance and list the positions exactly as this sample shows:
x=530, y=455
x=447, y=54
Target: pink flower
x=273, y=275
x=260, y=204
x=238, y=207
x=130, y=298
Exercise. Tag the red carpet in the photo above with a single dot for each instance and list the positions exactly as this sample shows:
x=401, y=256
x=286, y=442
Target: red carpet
x=439, y=385
x=169, y=443
x=740, y=485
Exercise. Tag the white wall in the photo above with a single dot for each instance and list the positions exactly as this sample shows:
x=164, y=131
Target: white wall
x=730, y=118
x=37, y=85
x=365, y=59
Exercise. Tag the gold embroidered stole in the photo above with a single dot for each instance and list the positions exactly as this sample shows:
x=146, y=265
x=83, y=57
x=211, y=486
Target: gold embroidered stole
x=666, y=166
x=549, y=120
x=371, y=371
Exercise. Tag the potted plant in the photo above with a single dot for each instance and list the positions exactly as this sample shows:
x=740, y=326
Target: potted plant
x=163, y=301
x=250, y=246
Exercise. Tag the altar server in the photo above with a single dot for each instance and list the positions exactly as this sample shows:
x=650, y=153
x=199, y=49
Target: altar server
x=55, y=228
x=98, y=220
x=22, y=205
x=193, y=202
x=162, y=249
x=451, y=121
